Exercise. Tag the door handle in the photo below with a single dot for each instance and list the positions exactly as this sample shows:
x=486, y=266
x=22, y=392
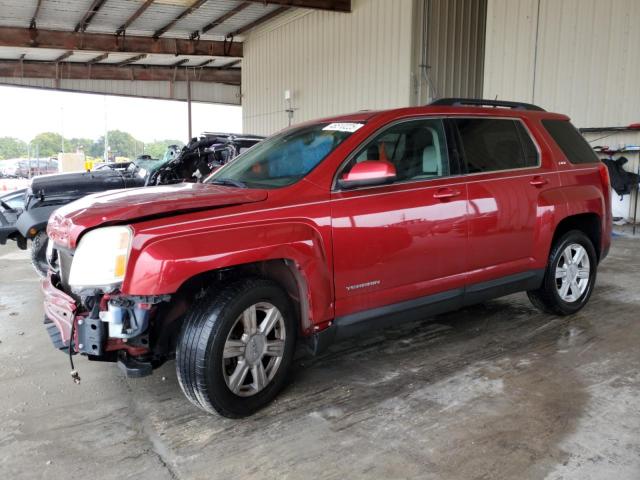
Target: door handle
x=445, y=193
x=538, y=181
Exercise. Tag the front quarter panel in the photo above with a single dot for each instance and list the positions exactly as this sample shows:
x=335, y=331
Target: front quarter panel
x=160, y=264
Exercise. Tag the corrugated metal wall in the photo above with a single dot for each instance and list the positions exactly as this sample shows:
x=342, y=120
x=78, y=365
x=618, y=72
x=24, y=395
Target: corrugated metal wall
x=454, y=56
x=200, y=91
x=575, y=56
x=579, y=57
x=331, y=62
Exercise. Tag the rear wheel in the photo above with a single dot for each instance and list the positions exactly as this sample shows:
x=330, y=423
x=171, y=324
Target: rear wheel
x=236, y=347
x=570, y=275
x=39, y=253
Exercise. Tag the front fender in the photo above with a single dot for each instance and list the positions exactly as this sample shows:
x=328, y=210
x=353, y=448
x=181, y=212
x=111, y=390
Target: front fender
x=160, y=266
x=36, y=218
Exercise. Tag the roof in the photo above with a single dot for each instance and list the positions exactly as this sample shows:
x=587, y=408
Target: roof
x=137, y=34
x=440, y=109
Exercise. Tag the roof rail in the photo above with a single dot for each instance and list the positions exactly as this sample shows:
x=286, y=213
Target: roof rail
x=478, y=102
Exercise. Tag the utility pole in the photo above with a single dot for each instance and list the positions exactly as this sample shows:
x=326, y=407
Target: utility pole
x=62, y=127
x=106, y=133
x=189, y=102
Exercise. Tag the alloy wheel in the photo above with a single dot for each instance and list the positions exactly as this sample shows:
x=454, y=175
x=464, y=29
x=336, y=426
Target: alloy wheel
x=254, y=349
x=572, y=273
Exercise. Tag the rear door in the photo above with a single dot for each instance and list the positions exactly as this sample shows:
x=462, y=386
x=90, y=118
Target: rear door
x=506, y=177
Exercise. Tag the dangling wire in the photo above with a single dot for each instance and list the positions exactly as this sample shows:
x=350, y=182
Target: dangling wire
x=74, y=374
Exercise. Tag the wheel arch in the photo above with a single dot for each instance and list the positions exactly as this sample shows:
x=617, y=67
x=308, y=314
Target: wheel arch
x=282, y=271
x=588, y=223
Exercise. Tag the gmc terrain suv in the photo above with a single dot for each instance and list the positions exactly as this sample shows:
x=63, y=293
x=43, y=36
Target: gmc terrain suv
x=328, y=229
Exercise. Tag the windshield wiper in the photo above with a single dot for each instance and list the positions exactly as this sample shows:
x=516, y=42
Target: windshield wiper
x=229, y=182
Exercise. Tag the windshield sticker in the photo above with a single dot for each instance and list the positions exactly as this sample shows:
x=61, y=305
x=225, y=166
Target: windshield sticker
x=344, y=127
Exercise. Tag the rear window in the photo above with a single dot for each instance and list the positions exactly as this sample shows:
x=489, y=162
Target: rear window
x=570, y=141
x=495, y=144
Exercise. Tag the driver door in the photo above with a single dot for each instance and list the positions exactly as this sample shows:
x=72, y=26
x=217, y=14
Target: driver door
x=408, y=239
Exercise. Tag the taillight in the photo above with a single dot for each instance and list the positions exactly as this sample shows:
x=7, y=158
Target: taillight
x=604, y=177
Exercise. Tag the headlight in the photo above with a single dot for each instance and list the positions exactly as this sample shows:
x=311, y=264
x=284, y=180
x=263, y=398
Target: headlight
x=101, y=258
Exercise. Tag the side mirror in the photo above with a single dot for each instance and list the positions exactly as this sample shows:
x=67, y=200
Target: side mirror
x=368, y=173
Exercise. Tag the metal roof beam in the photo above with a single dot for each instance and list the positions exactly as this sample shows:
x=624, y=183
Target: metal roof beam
x=142, y=56
x=188, y=11
x=146, y=4
x=32, y=24
x=205, y=63
x=332, y=5
x=84, y=22
x=221, y=19
x=259, y=21
x=64, y=56
x=230, y=65
x=102, y=71
x=109, y=43
x=97, y=59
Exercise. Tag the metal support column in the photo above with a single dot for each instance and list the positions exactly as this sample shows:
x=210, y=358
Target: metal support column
x=189, y=102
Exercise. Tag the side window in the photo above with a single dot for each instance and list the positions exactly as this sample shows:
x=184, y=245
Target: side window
x=495, y=144
x=417, y=148
x=570, y=141
x=528, y=147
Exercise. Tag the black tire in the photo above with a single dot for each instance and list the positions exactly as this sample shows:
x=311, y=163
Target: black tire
x=547, y=298
x=199, y=353
x=39, y=253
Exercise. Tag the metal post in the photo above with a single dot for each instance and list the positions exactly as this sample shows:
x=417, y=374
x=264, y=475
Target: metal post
x=635, y=208
x=189, y=101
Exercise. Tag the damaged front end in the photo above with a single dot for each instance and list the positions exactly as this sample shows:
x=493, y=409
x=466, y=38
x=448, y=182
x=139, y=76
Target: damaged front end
x=107, y=327
x=86, y=313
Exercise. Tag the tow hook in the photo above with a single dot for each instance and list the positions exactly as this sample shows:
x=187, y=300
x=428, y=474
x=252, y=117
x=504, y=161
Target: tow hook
x=91, y=334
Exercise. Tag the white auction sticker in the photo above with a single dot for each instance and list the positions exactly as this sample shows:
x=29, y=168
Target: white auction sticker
x=344, y=127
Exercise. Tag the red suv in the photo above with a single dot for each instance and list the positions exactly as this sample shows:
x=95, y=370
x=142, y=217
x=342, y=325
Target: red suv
x=328, y=229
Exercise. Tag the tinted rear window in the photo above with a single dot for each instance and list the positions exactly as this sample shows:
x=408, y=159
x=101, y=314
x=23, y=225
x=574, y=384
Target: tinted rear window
x=570, y=141
x=495, y=144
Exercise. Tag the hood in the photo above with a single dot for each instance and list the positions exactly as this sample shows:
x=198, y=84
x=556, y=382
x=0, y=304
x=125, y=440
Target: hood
x=69, y=221
x=76, y=184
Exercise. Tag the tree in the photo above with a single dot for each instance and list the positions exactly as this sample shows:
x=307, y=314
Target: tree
x=157, y=148
x=121, y=144
x=97, y=148
x=73, y=144
x=47, y=144
x=12, y=148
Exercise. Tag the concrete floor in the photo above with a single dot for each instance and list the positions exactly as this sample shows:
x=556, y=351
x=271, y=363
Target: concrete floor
x=498, y=391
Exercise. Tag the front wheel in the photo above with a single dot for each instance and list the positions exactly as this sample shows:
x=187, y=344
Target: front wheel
x=569, y=277
x=236, y=347
x=39, y=253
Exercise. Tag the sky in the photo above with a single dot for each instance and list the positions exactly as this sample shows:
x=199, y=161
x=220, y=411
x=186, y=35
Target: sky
x=28, y=111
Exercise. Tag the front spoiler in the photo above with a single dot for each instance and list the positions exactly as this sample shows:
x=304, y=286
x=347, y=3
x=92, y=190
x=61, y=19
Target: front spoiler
x=8, y=228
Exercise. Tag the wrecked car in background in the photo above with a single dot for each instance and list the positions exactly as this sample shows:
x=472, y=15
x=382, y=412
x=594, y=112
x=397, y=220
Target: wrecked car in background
x=47, y=193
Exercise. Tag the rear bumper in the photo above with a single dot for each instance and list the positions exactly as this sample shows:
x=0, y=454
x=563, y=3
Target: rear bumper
x=59, y=308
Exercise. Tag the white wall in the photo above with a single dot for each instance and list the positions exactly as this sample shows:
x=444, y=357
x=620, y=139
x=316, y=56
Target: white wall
x=331, y=62
x=579, y=57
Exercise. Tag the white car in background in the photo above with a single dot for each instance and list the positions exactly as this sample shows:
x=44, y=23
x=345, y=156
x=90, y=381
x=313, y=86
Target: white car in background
x=9, y=168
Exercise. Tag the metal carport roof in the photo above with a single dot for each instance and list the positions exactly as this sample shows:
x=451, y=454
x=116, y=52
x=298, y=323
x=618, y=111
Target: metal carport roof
x=132, y=40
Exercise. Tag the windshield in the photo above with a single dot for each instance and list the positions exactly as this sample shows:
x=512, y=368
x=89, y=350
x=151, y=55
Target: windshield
x=285, y=158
